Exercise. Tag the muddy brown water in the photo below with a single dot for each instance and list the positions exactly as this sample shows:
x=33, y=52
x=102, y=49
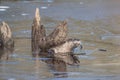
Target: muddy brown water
x=95, y=22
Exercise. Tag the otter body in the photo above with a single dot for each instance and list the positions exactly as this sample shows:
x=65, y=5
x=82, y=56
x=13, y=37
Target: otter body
x=66, y=47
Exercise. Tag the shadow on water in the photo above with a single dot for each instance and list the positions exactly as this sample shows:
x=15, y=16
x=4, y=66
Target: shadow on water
x=57, y=67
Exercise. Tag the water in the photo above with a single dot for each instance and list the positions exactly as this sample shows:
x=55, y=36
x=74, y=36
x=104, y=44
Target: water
x=95, y=22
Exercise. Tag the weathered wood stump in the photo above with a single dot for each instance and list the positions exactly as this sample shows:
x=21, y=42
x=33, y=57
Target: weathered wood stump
x=43, y=42
x=56, y=41
x=38, y=32
x=6, y=41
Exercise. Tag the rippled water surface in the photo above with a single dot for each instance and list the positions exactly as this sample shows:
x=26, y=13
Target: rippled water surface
x=95, y=22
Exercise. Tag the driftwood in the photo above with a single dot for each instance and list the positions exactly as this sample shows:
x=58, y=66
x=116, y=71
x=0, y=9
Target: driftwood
x=54, y=43
x=6, y=41
x=43, y=42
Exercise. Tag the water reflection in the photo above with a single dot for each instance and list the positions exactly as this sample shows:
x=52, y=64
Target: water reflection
x=57, y=62
x=5, y=53
x=57, y=67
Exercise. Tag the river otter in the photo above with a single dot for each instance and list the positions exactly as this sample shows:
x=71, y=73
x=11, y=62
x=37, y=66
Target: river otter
x=66, y=47
x=64, y=51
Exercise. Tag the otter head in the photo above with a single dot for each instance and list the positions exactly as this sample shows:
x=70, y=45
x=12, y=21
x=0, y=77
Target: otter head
x=76, y=43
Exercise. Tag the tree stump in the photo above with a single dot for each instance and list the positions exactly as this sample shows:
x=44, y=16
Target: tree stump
x=40, y=41
x=57, y=40
x=38, y=32
x=6, y=41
